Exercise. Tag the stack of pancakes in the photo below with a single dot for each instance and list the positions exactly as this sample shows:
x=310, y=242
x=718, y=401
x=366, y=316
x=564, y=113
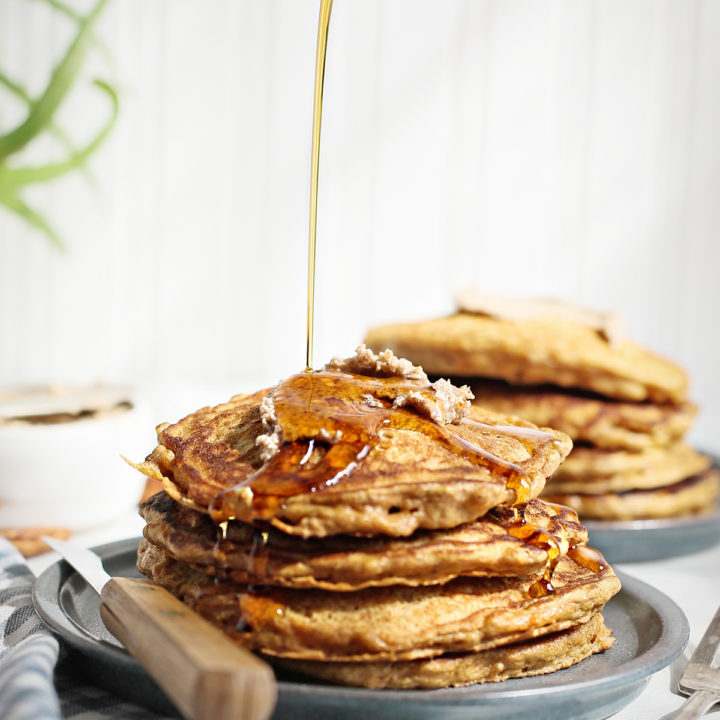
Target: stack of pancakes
x=625, y=408
x=357, y=524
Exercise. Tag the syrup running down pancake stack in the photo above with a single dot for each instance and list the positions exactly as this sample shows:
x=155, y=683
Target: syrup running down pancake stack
x=625, y=408
x=361, y=525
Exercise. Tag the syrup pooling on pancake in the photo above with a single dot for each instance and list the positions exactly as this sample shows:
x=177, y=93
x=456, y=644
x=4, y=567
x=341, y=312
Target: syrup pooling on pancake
x=521, y=525
x=547, y=540
x=588, y=557
x=530, y=436
x=327, y=422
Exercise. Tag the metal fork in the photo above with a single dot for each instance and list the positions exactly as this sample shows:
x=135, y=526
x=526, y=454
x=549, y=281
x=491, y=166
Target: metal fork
x=701, y=680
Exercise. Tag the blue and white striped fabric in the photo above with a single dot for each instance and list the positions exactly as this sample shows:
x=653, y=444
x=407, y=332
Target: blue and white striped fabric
x=28, y=652
x=33, y=686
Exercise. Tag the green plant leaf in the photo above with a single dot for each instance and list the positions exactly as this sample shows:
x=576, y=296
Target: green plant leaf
x=13, y=178
x=74, y=15
x=32, y=218
x=44, y=108
x=52, y=128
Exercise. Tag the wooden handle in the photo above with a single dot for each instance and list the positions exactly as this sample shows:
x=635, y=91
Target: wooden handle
x=203, y=672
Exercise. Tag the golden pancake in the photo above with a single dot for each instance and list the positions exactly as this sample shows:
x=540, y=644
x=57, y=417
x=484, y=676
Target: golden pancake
x=589, y=470
x=534, y=657
x=365, y=518
x=693, y=496
x=391, y=623
x=485, y=547
x=603, y=423
x=534, y=351
x=375, y=454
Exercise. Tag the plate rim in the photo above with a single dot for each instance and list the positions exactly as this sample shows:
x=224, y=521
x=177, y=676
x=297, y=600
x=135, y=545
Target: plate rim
x=650, y=524
x=672, y=640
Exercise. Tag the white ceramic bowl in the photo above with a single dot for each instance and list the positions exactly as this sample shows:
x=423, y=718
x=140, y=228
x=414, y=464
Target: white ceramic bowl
x=71, y=474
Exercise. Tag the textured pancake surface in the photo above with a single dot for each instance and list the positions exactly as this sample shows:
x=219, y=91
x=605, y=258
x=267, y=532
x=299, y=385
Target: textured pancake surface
x=365, y=525
x=591, y=470
x=693, y=496
x=408, y=481
x=533, y=351
x=343, y=563
x=388, y=623
x=535, y=657
x=603, y=423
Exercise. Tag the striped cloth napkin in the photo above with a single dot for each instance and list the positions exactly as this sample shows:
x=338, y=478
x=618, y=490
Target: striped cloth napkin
x=36, y=679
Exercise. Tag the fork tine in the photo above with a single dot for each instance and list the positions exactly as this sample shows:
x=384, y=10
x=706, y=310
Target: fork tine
x=706, y=649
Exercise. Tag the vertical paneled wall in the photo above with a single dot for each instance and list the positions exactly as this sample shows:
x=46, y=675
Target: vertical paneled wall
x=532, y=147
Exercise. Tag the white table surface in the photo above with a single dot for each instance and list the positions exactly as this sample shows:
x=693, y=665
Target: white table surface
x=692, y=581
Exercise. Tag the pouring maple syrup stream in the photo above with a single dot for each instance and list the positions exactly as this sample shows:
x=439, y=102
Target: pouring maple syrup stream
x=323, y=25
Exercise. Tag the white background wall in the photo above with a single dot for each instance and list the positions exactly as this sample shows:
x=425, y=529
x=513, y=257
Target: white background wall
x=532, y=147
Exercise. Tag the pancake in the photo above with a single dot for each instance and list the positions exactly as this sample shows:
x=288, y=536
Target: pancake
x=379, y=453
x=588, y=469
x=695, y=495
x=363, y=524
x=389, y=623
x=603, y=423
x=534, y=351
x=535, y=657
x=344, y=563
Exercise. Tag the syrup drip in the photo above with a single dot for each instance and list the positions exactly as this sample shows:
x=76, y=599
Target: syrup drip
x=332, y=410
x=322, y=36
x=261, y=610
x=543, y=539
x=258, y=556
x=219, y=556
x=531, y=435
x=258, y=603
x=549, y=540
x=588, y=557
x=256, y=566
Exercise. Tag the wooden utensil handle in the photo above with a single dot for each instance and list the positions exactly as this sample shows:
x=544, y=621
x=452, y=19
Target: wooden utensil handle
x=202, y=671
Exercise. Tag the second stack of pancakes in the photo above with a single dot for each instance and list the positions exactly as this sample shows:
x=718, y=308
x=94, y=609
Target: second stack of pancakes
x=625, y=408
x=356, y=524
